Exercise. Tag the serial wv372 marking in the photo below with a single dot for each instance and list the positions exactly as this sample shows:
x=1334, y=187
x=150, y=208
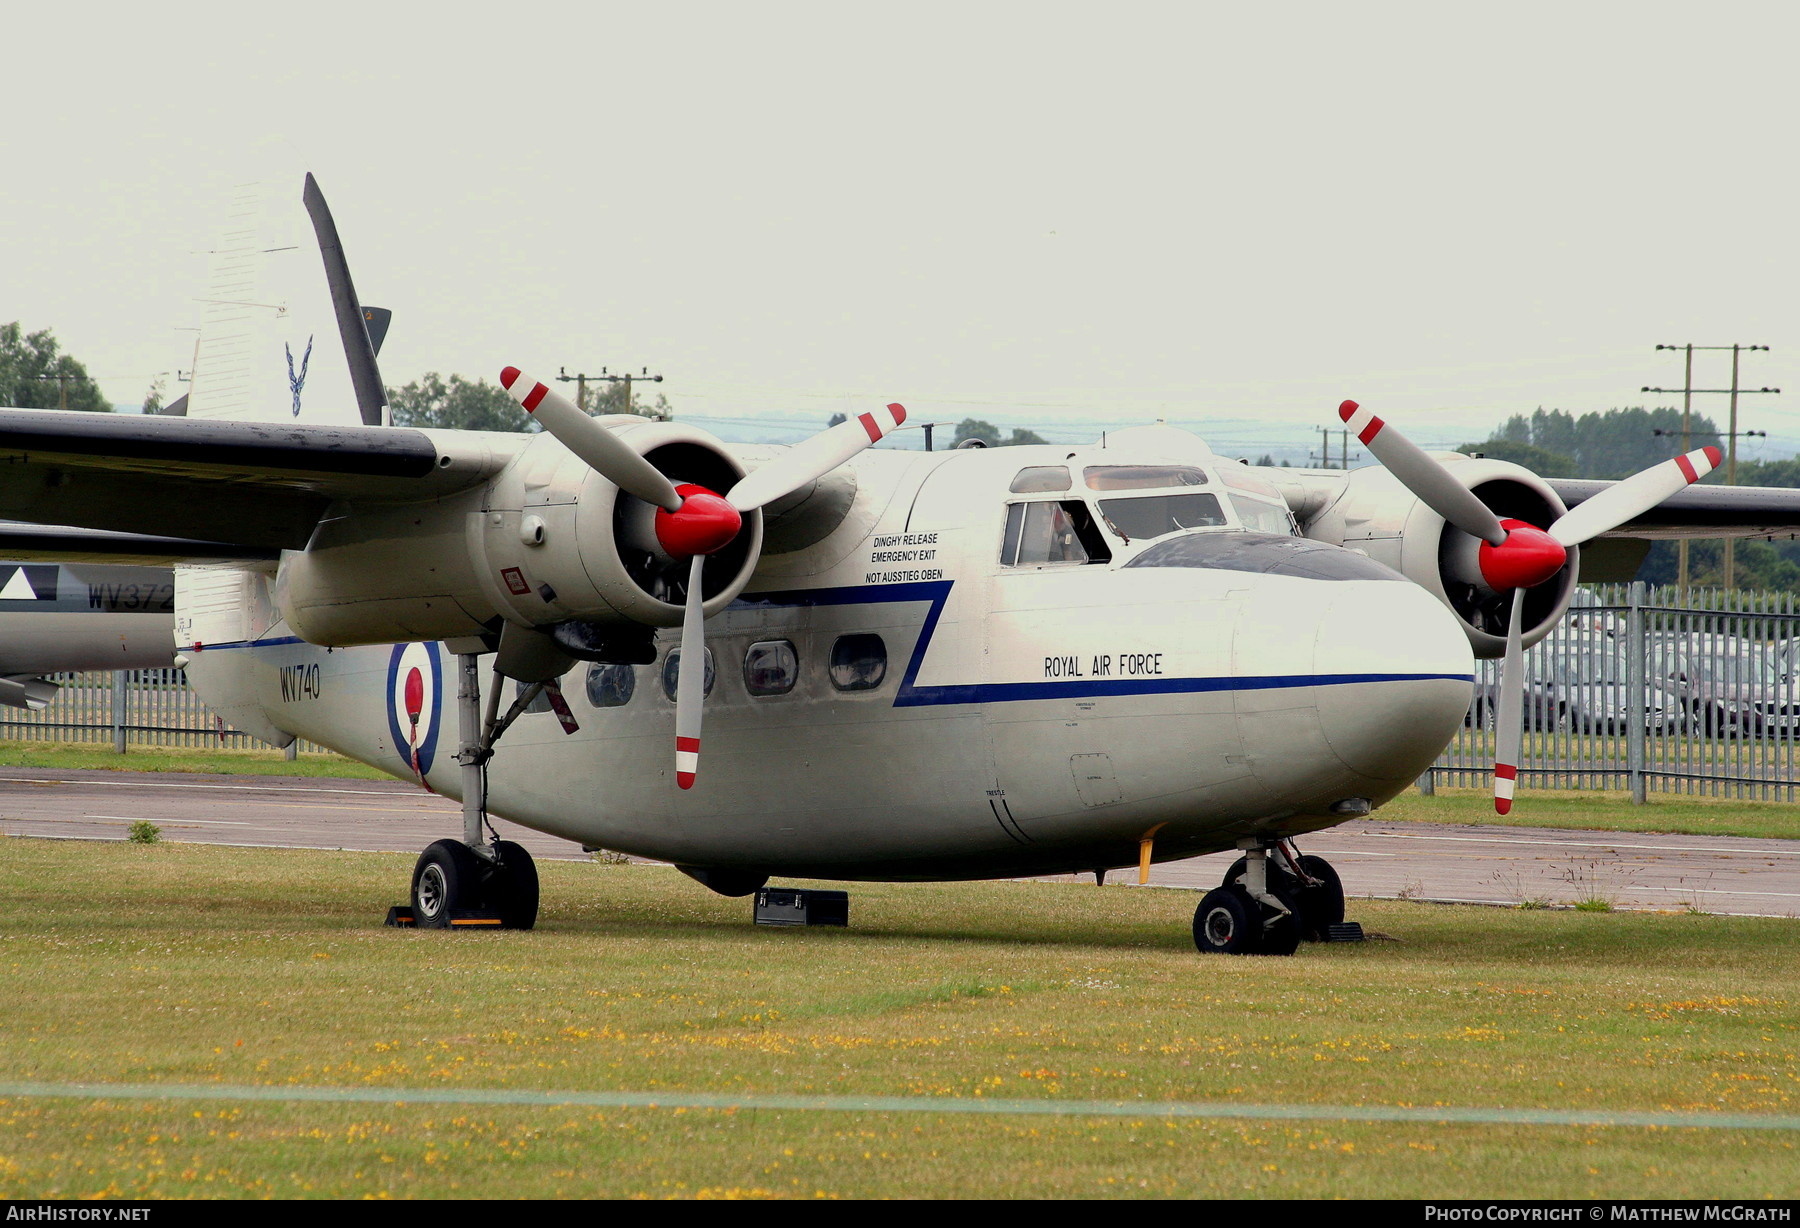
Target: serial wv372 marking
x=156, y=597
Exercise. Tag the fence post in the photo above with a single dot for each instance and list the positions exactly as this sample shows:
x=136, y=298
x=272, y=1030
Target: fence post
x=120, y=693
x=291, y=751
x=1427, y=783
x=1637, y=698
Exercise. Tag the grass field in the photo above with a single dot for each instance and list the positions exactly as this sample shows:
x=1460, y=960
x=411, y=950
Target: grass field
x=1595, y=810
x=78, y=756
x=191, y=965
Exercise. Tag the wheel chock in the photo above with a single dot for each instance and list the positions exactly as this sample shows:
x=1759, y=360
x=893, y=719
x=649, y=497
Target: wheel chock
x=1344, y=931
x=400, y=917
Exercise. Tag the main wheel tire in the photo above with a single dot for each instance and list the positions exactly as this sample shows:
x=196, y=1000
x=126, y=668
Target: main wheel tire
x=512, y=886
x=446, y=880
x=1227, y=922
x=1321, y=907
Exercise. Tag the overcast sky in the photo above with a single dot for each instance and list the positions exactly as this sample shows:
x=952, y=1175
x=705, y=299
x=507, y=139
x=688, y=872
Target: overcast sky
x=1052, y=215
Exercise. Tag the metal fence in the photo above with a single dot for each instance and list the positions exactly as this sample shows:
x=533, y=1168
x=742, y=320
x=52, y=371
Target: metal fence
x=144, y=707
x=1636, y=689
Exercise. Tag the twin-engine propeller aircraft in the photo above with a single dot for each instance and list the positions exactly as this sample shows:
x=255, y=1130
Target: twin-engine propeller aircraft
x=912, y=666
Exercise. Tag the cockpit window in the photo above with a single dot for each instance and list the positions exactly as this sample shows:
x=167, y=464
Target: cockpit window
x=1141, y=477
x=1256, y=552
x=1048, y=533
x=1241, y=477
x=1261, y=517
x=1156, y=515
x=1041, y=480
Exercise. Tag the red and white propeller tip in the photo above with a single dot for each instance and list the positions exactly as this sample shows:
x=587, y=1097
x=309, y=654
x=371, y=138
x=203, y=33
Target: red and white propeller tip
x=1516, y=555
x=603, y=451
x=813, y=458
x=1425, y=477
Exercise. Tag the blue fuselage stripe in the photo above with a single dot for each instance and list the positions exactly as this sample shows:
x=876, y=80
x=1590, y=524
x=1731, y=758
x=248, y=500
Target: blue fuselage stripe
x=937, y=592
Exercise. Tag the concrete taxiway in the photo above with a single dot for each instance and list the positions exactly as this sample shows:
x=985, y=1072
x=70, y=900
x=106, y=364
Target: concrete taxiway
x=1376, y=858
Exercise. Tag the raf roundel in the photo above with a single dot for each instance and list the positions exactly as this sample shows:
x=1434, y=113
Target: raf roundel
x=415, y=686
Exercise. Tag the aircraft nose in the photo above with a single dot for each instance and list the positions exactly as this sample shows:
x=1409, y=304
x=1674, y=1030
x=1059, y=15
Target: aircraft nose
x=1396, y=675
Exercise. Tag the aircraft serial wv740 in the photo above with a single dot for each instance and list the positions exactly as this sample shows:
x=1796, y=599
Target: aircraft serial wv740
x=954, y=665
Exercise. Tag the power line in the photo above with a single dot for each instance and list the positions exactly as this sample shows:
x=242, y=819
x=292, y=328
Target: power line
x=581, y=379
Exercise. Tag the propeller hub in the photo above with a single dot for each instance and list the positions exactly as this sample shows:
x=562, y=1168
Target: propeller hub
x=1528, y=557
x=704, y=523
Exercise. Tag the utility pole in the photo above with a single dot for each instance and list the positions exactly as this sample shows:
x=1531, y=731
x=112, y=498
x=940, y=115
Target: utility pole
x=1343, y=449
x=1687, y=395
x=605, y=377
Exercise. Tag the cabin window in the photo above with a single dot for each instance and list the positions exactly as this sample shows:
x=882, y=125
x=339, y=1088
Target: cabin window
x=1141, y=477
x=1157, y=515
x=858, y=662
x=611, y=686
x=1041, y=480
x=771, y=668
x=671, y=672
x=1261, y=517
x=1048, y=534
x=540, y=703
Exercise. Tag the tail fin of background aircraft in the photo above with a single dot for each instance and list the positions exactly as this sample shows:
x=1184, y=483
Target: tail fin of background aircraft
x=282, y=339
x=271, y=347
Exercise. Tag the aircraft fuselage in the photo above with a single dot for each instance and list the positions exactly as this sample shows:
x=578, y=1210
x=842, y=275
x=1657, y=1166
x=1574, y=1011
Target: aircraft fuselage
x=906, y=699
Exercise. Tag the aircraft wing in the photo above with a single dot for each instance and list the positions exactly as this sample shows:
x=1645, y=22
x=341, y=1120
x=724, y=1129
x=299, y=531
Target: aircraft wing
x=211, y=483
x=32, y=543
x=1701, y=510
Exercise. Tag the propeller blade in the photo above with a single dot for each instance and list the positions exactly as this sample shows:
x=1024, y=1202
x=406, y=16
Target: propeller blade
x=1635, y=495
x=1423, y=476
x=604, y=452
x=1509, y=720
x=690, y=684
x=352, y=321
x=813, y=458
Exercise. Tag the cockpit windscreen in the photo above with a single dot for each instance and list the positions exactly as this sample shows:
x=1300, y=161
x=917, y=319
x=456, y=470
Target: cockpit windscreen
x=1157, y=515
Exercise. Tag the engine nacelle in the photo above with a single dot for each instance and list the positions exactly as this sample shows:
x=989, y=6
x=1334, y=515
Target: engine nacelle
x=1382, y=518
x=547, y=541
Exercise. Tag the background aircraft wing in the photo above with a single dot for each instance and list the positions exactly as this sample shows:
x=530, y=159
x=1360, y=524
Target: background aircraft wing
x=31, y=543
x=248, y=484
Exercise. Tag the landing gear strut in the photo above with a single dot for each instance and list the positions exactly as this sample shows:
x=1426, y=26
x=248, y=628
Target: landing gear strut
x=1271, y=899
x=476, y=882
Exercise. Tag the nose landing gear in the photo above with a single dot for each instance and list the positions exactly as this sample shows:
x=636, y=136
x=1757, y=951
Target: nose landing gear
x=1272, y=899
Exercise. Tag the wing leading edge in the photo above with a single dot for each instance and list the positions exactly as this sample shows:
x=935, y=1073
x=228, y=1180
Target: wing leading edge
x=248, y=484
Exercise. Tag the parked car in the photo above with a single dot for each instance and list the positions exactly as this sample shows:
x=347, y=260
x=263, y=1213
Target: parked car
x=1594, y=694
x=1731, y=686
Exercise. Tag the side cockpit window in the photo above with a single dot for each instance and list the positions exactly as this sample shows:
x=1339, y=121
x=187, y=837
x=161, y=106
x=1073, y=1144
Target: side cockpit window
x=1052, y=533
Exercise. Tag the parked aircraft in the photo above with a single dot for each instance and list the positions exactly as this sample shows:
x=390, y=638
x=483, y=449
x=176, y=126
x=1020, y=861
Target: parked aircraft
x=70, y=616
x=913, y=666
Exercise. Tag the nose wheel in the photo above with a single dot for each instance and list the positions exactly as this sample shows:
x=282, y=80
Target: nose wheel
x=1229, y=922
x=1272, y=899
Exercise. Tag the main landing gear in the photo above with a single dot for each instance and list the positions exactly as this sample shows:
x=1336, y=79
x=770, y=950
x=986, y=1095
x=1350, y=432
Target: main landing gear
x=476, y=882
x=1271, y=900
